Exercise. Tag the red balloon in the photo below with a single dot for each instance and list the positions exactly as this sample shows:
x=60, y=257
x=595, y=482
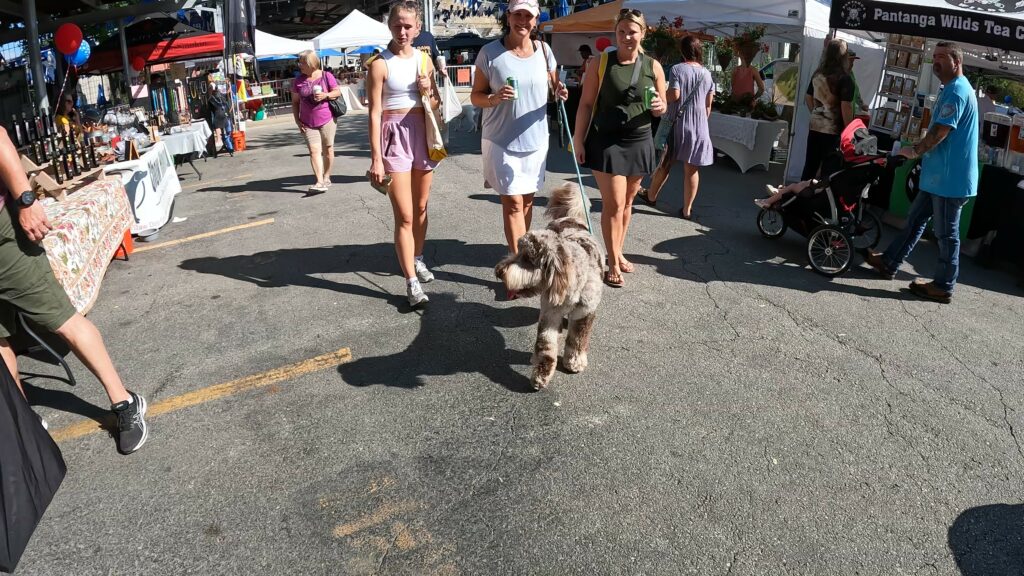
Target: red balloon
x=68, y=38
x=138, y=63
x=602, y=43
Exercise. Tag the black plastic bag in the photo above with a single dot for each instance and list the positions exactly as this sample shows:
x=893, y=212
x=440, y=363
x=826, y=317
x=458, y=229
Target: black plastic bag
x=31, y=470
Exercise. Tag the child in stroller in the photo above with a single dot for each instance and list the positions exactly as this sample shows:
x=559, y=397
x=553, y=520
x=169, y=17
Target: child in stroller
x=831, y=212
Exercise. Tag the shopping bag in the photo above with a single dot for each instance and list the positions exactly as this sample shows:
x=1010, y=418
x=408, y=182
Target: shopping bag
x=31, y=470
x=451, y=107
x=435, y=126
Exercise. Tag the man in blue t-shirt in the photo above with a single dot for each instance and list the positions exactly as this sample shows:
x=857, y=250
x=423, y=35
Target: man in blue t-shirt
x=949, y=177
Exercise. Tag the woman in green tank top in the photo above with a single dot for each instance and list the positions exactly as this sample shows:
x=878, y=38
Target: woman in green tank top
x=613, y=131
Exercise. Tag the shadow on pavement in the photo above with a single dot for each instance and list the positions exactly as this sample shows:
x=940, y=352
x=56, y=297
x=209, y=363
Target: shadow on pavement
x=989, y=540
x=688, y=258
x=455, y=337
x=67, y=402
x=298, y=184
x=304, y=267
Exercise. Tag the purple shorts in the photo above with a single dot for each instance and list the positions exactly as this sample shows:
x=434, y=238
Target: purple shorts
x=403, y=141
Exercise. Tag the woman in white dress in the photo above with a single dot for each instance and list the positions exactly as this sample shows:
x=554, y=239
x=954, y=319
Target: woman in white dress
x=514, y=139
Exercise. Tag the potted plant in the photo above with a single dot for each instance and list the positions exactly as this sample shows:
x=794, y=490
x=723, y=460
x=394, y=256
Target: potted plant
x=662, y=41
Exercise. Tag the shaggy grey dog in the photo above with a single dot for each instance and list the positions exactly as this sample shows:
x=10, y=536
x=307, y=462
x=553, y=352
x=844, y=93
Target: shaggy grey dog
x=562, y=264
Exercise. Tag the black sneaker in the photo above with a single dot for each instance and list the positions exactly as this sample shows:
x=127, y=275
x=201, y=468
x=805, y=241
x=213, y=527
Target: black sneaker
x=131, y=430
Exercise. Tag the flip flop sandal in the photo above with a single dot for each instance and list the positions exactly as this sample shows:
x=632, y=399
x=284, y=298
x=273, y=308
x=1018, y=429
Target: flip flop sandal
x=626, y=266
x=615, y=281
x=642, y=194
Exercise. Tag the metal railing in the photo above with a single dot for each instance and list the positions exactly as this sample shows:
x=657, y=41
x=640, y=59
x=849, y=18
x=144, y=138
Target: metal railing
x=461, y=76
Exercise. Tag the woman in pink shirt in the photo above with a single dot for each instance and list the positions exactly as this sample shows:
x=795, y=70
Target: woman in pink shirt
x=310, y=91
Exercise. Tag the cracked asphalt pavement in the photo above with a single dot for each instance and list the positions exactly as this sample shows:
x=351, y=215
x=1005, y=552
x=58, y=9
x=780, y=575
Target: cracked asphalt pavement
x=740, y=415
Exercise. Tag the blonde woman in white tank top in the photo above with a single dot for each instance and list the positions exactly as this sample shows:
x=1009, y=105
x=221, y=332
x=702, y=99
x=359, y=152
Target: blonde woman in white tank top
x=398, y=142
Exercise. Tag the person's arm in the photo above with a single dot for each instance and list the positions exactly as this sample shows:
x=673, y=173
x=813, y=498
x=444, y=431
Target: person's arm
x=588, y=99
x=335, y=92
x=759, y=82
x=673, y=92
x=426, y=85
x=481, y=96
x=32, y=218
x=658, y=104
x=936, y=134
x=295, y=111
x=709, y=99
x=846, y=90
x=374, y=90
x=809, y=96
x=554, y=82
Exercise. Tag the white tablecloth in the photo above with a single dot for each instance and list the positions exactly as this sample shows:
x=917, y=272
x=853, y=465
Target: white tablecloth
x=151, y=185
x=192, y=139
x=351, y=97
x=747, y=141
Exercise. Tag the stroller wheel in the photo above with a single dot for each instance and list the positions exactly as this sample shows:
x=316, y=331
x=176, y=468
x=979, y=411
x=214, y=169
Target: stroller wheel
x=770, y=224
x=829, y=250
x=868, y=232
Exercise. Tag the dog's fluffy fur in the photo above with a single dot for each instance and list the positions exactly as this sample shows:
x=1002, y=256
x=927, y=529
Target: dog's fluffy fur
x=562, y=264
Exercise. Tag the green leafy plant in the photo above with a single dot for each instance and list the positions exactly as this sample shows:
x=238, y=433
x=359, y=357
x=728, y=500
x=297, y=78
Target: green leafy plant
x=662, y=41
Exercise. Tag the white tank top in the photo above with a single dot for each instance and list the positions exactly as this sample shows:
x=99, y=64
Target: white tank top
x=400, y=90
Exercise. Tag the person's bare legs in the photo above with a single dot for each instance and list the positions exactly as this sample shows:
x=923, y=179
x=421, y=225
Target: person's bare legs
x=328, y=155
x=421, y=181
x=87, y=344
x=328, y=163
x=660, y=176
x=516, y=213
x=613, y=204
x=401, y=205
x=691, y=180
x=316, y=158
x=632, y=187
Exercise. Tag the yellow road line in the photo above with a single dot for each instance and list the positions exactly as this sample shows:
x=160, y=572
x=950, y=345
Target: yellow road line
x=144, y=247
x=218, y=391
x=209, y=182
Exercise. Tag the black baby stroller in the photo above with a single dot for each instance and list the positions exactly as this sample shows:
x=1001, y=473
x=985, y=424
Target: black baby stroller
x=832, y=214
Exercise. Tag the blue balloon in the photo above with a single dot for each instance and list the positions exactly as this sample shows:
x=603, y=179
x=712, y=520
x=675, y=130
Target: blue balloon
x=80, y=57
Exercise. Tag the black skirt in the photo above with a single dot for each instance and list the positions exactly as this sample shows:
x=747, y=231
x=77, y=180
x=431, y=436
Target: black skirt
x=631, y=154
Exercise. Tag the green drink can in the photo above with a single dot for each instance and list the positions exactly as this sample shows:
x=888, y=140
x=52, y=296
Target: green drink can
x=510, y=81
x=649, y=95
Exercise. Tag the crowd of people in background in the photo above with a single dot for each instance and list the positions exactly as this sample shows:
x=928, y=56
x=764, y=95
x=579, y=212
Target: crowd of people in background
x=623, y=91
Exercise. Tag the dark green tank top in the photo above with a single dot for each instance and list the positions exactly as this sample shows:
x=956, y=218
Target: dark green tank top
x=612, y=94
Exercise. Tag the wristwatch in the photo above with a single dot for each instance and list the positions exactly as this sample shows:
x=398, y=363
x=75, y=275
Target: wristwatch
x=26, y=199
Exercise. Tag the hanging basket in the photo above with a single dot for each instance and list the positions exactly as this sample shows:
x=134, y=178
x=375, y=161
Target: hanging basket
x=724, y=60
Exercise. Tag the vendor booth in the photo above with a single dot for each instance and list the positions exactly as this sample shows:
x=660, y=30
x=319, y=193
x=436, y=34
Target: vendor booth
x=988, y=35
x=569, y=32
x=356, y=29
x=268, y=45
x=805, y=22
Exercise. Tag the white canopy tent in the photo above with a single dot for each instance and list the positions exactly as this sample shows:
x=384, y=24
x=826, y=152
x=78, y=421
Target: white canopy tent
x=270, y=45
x=356, y=29
x=805, y=22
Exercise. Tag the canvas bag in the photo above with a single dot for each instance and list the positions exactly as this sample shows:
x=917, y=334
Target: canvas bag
x=434, y=121
x=31, y=470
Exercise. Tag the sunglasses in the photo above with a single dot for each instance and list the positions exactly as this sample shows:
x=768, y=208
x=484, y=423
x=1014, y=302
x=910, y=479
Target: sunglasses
x=630, y=11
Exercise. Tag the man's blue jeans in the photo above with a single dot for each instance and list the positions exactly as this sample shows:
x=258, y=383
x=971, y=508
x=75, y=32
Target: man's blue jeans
x=945, y=216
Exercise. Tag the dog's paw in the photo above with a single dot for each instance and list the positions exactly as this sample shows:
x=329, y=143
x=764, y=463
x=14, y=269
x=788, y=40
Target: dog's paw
x=575, y=363
x=540, y=381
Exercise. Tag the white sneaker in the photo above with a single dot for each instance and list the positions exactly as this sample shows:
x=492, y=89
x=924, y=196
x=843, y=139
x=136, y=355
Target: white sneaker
x=416, y=295
x=423, y=274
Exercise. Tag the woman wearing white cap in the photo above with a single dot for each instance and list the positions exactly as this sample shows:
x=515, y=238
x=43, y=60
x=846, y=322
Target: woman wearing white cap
x=514, y=140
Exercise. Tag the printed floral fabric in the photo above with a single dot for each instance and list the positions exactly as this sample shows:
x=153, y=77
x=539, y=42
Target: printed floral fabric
x=88, y=228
